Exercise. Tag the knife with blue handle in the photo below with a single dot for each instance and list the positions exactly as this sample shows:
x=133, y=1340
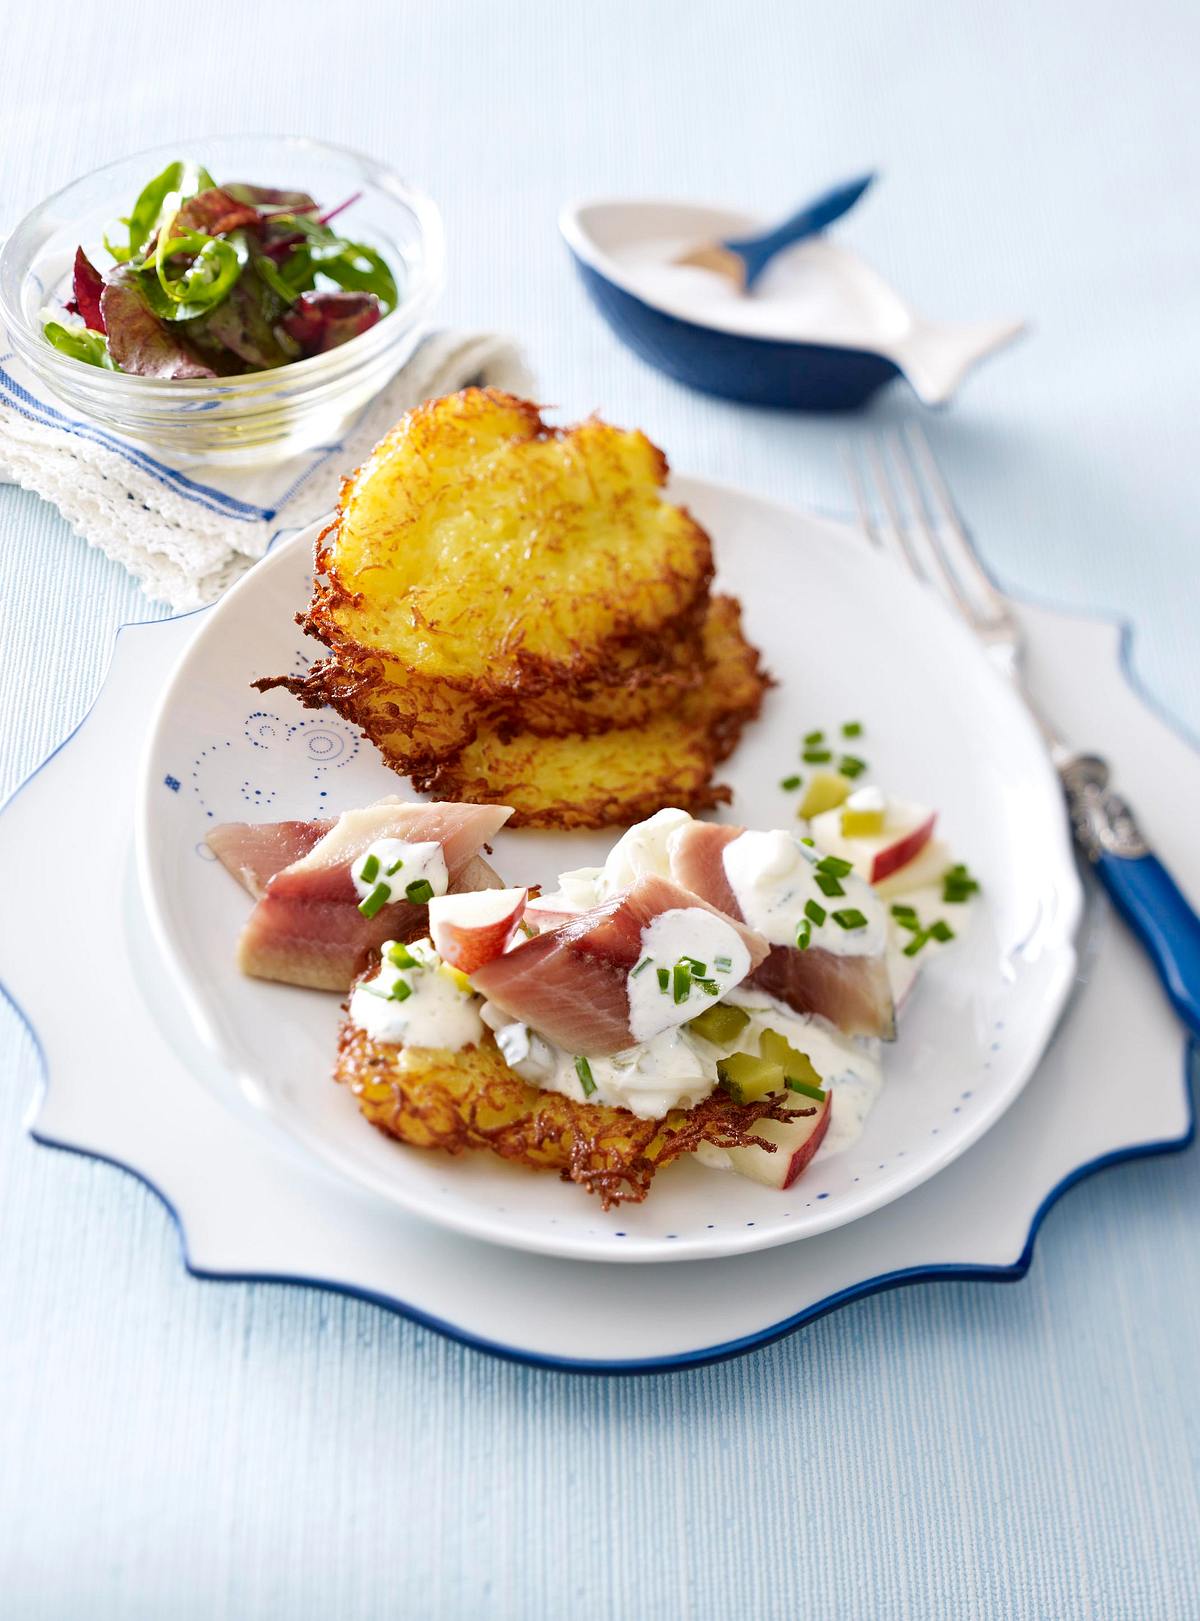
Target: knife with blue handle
x=1142, y=889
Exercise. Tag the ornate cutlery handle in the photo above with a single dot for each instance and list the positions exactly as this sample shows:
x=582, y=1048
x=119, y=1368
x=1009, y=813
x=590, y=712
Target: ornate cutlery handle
x=1141, y=888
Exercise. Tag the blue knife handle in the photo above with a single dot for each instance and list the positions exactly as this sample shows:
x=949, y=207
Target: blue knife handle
x=1155, y=908
x=757, y=251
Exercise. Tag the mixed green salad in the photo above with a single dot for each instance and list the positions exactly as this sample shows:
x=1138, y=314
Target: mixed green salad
x=217, y=281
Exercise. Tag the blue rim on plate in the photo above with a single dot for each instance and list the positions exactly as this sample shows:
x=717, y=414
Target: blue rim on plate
x=934, y=1272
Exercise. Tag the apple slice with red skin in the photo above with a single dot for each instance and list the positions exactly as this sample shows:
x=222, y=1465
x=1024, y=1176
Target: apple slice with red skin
x=796, y=1141
x=907, y=829
x=471, y=929
x=902, y=849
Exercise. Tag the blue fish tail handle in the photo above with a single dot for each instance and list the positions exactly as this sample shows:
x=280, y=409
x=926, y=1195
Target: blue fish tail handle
x=758, y=250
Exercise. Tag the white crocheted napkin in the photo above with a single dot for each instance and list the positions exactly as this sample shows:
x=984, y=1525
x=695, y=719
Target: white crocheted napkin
x=185, y=533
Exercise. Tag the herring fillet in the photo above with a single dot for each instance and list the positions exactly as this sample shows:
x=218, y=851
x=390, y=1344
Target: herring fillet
x=570, y=983
x=255, y=851
x=307, y=929
x=852, y=991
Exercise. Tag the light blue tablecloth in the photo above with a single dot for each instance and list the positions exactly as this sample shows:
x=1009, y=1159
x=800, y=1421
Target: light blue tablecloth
x=201, y=1450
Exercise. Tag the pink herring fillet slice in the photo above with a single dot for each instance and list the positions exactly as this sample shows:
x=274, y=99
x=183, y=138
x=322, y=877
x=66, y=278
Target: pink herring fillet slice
x=571, y=982
x=255, y=851
x=853, y=992
x=307, y=928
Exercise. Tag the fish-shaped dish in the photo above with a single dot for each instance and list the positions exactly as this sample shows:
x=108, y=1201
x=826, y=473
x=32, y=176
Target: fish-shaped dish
x=821, y=330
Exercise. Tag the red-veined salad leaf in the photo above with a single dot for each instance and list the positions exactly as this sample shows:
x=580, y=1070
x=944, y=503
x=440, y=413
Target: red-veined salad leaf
x=214, y=212
x=321, y=321
x=138, y=341
x=88, y=284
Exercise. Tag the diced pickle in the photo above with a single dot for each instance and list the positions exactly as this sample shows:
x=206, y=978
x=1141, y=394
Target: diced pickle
x=861, y=824
x=719, y=1024
x=796, y=1066
x=826, y=790
x=747, y=1078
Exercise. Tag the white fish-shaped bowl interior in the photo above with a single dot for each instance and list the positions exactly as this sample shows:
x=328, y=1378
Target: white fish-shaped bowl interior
x=821, y=330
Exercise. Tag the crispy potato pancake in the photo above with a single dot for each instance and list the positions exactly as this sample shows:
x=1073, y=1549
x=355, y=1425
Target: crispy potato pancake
x=456, y=1101
x=480, y=546
x=625, y=774
x=418, y=724
x=514, y=613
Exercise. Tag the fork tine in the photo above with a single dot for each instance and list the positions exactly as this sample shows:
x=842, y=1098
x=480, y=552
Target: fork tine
x=949, y=537
x=942, y=575
x=896, y=530
x=883, y=537
x=865, y=520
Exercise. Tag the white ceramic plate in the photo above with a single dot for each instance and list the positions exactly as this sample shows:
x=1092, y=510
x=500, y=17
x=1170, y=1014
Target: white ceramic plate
x=849, y=637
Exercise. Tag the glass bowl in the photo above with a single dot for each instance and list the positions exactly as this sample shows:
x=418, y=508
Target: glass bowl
x=264, y=415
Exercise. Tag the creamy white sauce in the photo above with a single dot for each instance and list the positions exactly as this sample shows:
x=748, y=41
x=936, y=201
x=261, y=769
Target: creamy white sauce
x=814, y=290
x=677, y=1069
x=686, y=931
x=436, y=1011
x=640, y=852
x=776, y=880
x=397, y=863
x=927, y=902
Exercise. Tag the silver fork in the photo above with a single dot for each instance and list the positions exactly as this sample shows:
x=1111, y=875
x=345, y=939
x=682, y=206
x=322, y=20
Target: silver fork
x=915, y=519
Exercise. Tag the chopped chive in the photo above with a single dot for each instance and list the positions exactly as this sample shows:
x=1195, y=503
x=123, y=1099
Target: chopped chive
x=958, y=884
x=852, y=728
x=835, y=866
x=810, y=842
x=815, y=912
x=805, y=1088
x=829, y=885
x=664, y=979
x=851, y=766
x=378, y=898
x=395, y=866
x=401, y=957
x=709, y=987
x=725, y=964
x=850, y=918
x=699, y=970
x=901, y=910
x=941, y=930
x=369, y=870
x=817, y=756
x=812, y=738
x=681, y=982
x=803, y=934
x=912, y=924
x=915, y=944
x=419, y=891
x=789, y=784
x=401, y=991
x=584, y=1070
x=645, y=963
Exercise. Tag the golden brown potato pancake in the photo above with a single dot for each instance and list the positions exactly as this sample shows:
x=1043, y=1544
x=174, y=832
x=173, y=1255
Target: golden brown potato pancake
x=456, y=1101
